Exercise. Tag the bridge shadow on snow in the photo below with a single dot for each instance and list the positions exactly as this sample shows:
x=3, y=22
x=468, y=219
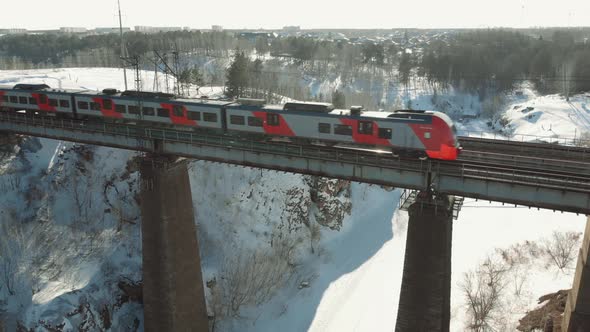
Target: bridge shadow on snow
x=363, y=234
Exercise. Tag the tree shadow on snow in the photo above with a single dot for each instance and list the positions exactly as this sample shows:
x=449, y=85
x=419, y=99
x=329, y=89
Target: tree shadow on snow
x=363, y=234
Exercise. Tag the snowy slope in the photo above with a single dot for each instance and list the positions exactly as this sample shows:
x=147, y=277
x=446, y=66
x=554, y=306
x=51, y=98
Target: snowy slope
x=68, y=224
x=343, y=277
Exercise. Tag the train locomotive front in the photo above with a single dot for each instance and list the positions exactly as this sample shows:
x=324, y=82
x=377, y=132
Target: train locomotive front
x=436, y=133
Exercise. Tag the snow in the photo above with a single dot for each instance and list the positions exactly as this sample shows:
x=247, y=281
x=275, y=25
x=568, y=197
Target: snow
x=352, y=280
x=552, y=116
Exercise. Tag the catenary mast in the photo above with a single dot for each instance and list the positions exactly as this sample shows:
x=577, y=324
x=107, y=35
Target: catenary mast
x=122, y=44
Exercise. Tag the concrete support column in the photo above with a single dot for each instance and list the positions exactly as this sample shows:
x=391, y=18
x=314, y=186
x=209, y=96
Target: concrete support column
x=425, y=297
x=173, y=294
x=576, y=317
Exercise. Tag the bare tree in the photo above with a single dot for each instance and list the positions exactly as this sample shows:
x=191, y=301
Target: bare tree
x=561, y=249
x=253, y=278
x=483, y=290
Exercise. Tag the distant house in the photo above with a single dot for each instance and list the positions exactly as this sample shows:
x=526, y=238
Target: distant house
x=216, y=28
x=291, y=28
x=72, y=30
x=150, y=29
x=107, y=30
x=252, y=36
x=12, y=31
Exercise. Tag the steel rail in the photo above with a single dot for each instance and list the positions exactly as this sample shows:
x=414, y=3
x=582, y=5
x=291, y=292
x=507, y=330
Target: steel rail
x=562, y=152
x=461, y=168
x=564, y=167
x=361, y=157
x=532, y=178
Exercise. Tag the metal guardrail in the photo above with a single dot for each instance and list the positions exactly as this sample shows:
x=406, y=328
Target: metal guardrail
x=553, y=139
x=517, y=182
x=210, y=138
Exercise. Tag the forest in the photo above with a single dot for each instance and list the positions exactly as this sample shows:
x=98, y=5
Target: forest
x=480, y=61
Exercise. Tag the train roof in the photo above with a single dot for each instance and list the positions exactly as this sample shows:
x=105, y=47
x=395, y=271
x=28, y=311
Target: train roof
x=31, y=87
x=40, y=89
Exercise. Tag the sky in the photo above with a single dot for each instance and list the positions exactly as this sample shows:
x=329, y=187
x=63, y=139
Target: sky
x=308, y=14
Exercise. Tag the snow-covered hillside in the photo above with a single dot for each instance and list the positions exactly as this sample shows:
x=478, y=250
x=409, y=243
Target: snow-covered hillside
x=71, y=236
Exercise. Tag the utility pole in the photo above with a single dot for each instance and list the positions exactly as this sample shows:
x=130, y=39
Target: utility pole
x=168, y=69
x=566, y=89
x=177, y=72
x=123, y=53
x=156, y=86
x=137, y=77
x=166, y=73
x=567, y=84
x=134, y=62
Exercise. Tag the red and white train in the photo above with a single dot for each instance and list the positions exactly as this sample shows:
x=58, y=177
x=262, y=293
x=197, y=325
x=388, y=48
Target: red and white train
x=406, y=132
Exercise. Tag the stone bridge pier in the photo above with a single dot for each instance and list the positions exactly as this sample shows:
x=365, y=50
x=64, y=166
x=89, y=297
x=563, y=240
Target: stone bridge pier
x=576, y=317
x=424, y=304
x=173, y=292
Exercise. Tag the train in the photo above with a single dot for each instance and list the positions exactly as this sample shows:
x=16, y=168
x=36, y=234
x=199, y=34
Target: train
x=406, y=133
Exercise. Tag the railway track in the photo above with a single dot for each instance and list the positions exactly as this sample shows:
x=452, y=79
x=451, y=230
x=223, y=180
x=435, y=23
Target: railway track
x=496, y=162
x=541, y=150
x=556, y=166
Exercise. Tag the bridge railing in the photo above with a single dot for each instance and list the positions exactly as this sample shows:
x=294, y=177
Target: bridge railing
x=210, y=138
x=350, y=156
x=553, y=139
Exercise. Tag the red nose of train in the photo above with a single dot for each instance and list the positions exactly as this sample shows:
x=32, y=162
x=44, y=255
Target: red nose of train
x=449, y=152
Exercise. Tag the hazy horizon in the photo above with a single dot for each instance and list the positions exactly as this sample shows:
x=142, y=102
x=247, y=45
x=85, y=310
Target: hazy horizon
x=308, y=14
x=310, y=29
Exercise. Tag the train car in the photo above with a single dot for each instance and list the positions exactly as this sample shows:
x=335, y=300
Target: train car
x=160, y=108
x=36, y=98
x=408, y=133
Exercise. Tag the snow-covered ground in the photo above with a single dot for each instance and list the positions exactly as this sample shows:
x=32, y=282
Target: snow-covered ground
x=340, y=277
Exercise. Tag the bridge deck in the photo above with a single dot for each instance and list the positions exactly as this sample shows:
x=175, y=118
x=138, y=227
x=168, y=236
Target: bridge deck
x=517, y=179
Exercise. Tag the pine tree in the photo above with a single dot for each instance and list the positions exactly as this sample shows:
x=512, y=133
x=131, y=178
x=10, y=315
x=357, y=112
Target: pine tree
x=405, y=66
x=237, y=76
x=189, y=77
x=256, y=68
x=338, y=99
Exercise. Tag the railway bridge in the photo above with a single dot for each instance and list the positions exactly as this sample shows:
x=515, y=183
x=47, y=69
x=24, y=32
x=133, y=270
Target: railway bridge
x=537, y=175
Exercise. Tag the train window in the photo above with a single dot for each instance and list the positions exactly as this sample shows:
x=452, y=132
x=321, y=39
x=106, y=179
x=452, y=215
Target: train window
x=82, y=105
x=43, y=99
x=94, y=106
x=149, y=111
x=254, y=121
x=177, y=110
x=107, y=104
x=385, y=133
x=53, y=102
x=365, y=127
x=64, y=103
x=194, y=116
x=5, y=98
x=427, y=135
x=163, y=112
x=32, y=101
x=237, y=120
x=272, y=119
x=324, y=128
x=131, y=108
x=209, y=117
x=343, y=130
x=23, y=100
x=14, y=99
